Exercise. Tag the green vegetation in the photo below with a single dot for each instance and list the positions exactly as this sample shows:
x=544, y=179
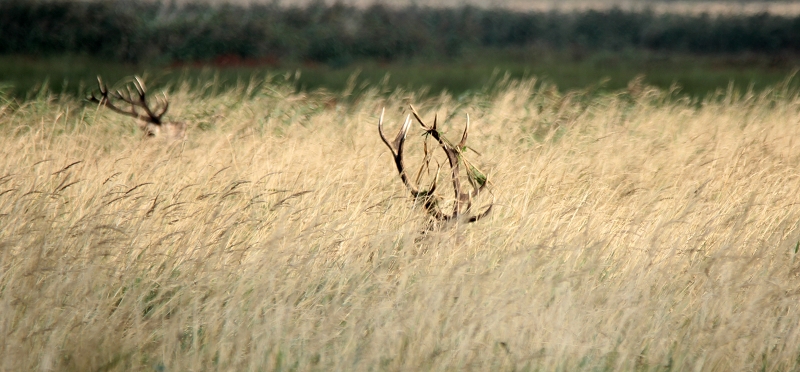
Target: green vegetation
x=696, y=76
x=65, y=44
x=339, y=34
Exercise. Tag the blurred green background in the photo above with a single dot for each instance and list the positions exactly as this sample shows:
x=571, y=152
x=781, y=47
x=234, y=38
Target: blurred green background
x=61, y=46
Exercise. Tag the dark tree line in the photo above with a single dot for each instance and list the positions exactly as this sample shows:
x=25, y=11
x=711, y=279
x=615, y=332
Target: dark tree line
x=136, y=31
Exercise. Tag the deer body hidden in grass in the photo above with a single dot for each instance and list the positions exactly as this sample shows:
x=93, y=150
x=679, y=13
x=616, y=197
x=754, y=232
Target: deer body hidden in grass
x=150, y=119
x=462, y=204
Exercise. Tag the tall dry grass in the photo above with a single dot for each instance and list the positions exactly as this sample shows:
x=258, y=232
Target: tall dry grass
x=635, y=231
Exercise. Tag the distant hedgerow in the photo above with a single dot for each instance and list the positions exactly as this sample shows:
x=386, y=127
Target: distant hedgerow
x=337, y=34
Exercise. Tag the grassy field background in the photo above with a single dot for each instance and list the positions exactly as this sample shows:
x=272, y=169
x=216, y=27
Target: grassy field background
x=458, y=50
x=692, y=76
x=634, y=230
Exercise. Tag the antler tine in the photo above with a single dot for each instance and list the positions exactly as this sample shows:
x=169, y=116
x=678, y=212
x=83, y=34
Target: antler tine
x=399, y=139
x=165, y=106
x=464, y=136
x=478, y=181
x=463, y=202
x=380, y=131
x=104, y=99
x=128, y=98
x=141, y=91
x=103, y=92
x=162, y=105
x=102, y=86
x=139, y=84
x=427, y=197
x=421, y=122
x=396, y=147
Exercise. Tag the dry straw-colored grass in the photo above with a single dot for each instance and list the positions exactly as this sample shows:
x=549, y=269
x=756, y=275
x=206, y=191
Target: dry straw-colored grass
x=634, y=231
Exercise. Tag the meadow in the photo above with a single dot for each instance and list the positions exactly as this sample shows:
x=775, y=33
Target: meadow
x=479, y=71
x=633, y=230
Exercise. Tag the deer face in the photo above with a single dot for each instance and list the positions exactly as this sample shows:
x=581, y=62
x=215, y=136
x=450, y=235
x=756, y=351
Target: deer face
x=171, y=131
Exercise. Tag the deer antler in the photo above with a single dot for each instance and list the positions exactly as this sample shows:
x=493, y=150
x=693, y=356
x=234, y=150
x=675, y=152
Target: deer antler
x=463, y=200
x=150, y=115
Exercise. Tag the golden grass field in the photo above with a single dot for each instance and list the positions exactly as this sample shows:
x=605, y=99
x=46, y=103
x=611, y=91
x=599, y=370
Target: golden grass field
x=630, y=231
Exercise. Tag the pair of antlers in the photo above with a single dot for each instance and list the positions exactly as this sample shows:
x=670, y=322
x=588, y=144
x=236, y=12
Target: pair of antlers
x=137, y=101
x=462, y=204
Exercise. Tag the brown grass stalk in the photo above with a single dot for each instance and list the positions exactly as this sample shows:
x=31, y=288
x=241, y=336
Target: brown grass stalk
x=630, y=232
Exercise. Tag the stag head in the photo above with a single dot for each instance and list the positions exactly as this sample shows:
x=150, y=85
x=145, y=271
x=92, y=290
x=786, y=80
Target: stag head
x=149, y=118
x=428, y=198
